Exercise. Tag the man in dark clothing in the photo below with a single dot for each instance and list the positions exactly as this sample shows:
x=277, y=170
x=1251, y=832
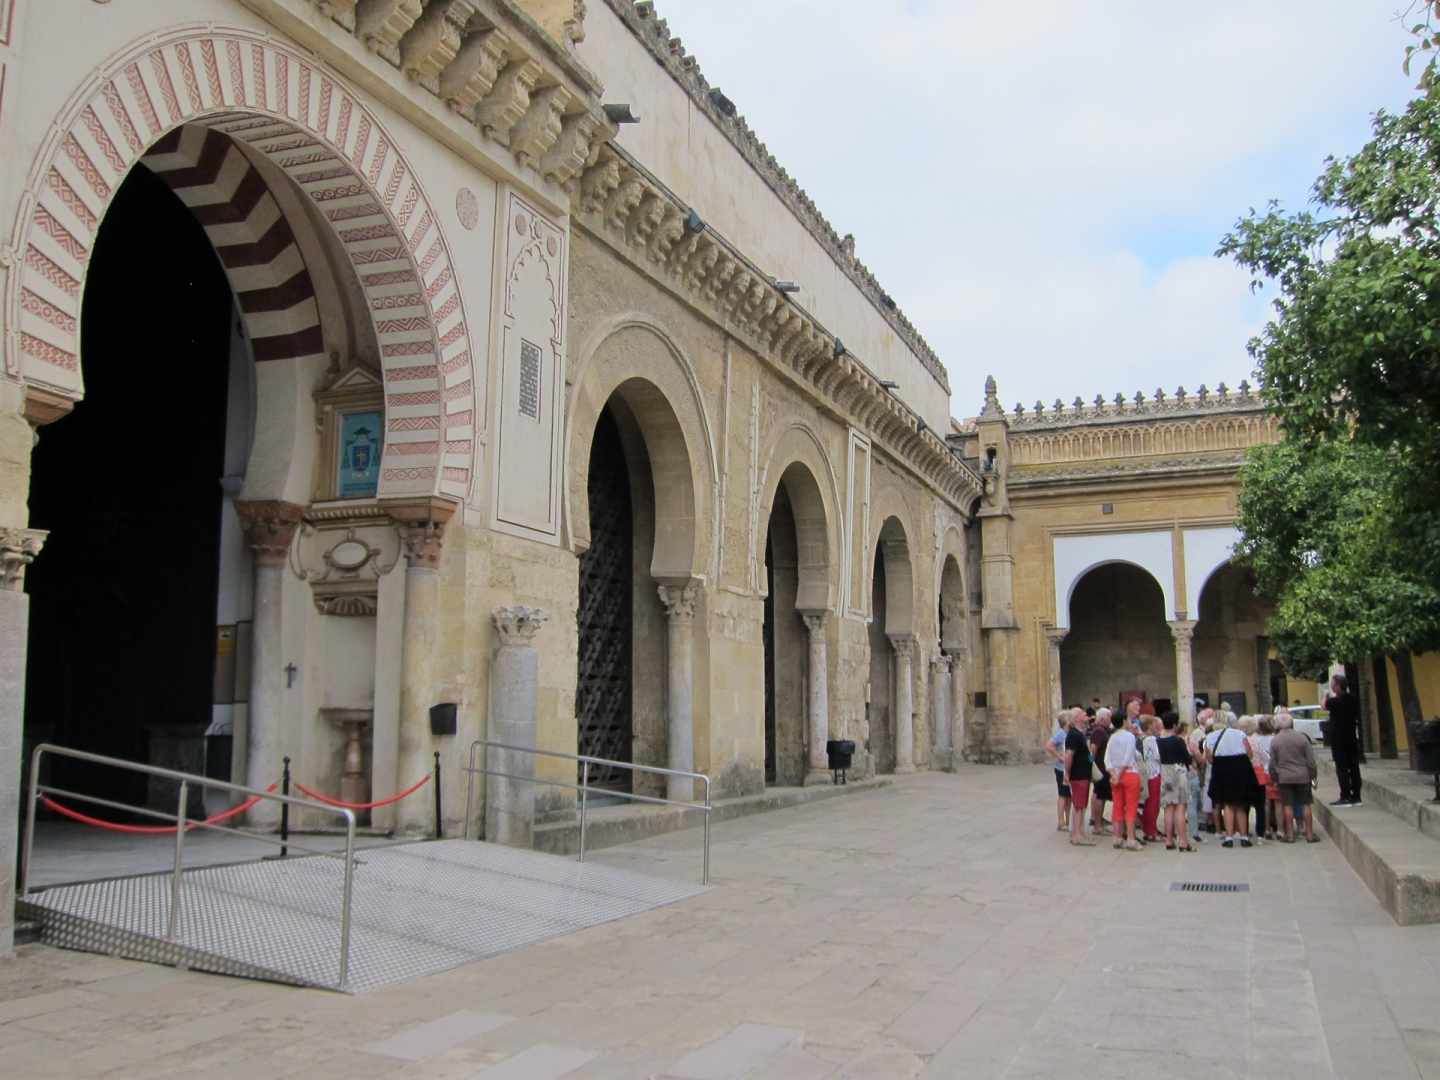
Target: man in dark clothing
x=1343, y=731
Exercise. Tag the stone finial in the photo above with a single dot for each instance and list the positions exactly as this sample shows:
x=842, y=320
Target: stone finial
x=847, y=246
x=1244, y=388
x=1204, y=393
x=1059, y=406
x=992, y=398
x=1139, y=400
x=1159, y=395
x=18, y=548
x=1119, y=401
x=1223, y=391
x=1019, y=411
x=1180, y=395
x=518, y=624
x=1099, y=403
x=1039, y=408
x=1079, y=405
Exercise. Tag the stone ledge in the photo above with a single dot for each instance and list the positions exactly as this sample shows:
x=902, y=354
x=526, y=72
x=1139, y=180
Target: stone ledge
x=1397, y=789
x=612, y=825
x=1400, y=864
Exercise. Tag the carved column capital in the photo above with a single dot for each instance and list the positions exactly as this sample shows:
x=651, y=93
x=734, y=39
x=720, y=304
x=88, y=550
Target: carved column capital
x=815, y=624
x=940, y=664
x=269, y=528
x=679, y=600
x=18, y=548
x=518, y=624
x=903, y=644
x=1182, y=630
x=422, y=529
x=1056, y=634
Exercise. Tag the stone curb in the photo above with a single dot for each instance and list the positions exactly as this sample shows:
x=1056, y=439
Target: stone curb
x=606, y=828
x=1398, y=863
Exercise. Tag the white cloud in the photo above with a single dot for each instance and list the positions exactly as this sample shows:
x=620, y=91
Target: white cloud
x=1041, y=186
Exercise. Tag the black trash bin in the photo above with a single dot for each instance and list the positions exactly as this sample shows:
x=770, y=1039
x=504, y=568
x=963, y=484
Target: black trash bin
x=1426, y=738
x=840, y=753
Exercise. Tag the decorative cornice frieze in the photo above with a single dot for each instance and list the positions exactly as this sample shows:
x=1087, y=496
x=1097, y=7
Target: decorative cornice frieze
x=493, y=64
x=669, y=52
x=622, y=205
x=1031, y=477
x=1140, y=406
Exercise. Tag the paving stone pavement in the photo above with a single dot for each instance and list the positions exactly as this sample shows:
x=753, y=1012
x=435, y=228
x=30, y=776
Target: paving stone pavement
x=936, y=928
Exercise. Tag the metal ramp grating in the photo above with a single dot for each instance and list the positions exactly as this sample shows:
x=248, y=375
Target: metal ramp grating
x=1209, y=886
x=417, y=909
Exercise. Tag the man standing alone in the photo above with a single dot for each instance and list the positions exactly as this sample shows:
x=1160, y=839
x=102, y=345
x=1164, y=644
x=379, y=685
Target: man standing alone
x=1343, y=731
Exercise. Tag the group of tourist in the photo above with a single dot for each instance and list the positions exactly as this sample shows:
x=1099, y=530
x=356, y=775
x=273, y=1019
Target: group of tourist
x=1240, y=778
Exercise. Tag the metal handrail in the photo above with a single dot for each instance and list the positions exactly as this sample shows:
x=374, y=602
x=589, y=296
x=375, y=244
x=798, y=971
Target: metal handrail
x=183, y=825
x=585, y=761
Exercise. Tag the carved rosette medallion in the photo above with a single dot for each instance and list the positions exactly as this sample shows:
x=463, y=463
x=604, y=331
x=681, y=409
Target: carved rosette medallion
x=18, y=548
x=518, y=624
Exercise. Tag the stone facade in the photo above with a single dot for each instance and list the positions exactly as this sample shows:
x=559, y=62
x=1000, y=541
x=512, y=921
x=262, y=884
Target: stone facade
x=454, y=281
x=1104, y=543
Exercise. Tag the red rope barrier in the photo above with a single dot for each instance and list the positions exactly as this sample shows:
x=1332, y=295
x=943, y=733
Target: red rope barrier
x=149, y=830
x=328, y=801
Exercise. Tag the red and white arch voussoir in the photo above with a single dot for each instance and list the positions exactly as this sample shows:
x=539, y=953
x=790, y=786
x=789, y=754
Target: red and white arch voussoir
x=172, y=102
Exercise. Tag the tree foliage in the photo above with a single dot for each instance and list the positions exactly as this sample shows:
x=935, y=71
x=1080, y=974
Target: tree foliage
x=1353, y=351
x=1317, y=527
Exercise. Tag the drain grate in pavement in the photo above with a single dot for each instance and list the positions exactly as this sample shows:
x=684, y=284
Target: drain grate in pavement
x=1209, y=886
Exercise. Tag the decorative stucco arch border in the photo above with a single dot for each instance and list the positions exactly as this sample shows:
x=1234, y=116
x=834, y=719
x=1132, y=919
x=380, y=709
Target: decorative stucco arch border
x=683, y=546
x=313, y=126
x=797, y=445
x=1076, y=556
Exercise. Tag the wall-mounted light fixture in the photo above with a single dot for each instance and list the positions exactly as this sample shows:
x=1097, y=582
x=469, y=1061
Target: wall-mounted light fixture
x=889, y=384
x=787, y=286
x=694, y=223
x=839, y=348
x=620, y=114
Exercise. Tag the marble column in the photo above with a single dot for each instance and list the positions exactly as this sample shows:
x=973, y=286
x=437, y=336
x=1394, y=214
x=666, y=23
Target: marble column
x=819, y=763
x=514, y=716
x=1055, y=635
x=269, y=529
x=679, y=601
x=1183, y=630
x=904, y=647
x=18, y=547
x=422, y=543
x=941, y=752
x=959, y=658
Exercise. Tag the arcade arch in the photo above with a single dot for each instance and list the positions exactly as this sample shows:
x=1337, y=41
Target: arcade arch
x=1119, y=639
x=892, y=651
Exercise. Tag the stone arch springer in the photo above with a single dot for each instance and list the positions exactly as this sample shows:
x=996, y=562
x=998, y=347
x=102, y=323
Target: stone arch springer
x=151, y=98
x=650, y=379
x=797, y=446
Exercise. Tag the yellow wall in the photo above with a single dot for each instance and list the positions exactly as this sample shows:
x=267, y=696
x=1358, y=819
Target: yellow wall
x=1427, y=681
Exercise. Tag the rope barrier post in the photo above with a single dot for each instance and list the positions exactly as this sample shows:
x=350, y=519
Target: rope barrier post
x=705, y=871
x=469, y=794
x=439, y=829
x=173, y=925
x=27, y=850
x=285, y=810
x=584, y=798
x=345, y=899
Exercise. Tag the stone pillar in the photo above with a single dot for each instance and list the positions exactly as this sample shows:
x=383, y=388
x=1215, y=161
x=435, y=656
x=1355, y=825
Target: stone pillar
x=1183, y=631
x=269, y=529
x=941, y=752
x=904, y=647
x=1055, y=635
x=514, y=715
x=422, y=543
x=958, y=689
x=679, y=601
x=1264, y=703
x=18, y=547
x=819, y=763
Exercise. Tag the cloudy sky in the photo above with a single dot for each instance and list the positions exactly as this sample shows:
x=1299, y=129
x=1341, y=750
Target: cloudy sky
x=1042, y=186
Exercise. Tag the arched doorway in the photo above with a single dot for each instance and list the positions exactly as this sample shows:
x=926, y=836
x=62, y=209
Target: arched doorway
x=1118, y=640
x=797, y=576
x=1230, y=652
x=950, y=685
x=122, y=656
x=892, y=652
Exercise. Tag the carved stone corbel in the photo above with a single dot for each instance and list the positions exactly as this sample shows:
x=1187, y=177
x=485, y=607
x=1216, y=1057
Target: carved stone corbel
x=472, y=74
x=382, y=23
x=508, y=100
x=541, y=126
x=431, y=44
x=567, y=157
x=18, y=548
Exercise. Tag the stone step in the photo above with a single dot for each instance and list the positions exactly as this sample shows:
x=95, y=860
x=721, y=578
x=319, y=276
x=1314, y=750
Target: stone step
x=611, y=825
x=1392, y=841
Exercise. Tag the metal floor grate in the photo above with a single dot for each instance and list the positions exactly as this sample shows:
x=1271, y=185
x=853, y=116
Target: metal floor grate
x=1209, y=886
x=417, y=909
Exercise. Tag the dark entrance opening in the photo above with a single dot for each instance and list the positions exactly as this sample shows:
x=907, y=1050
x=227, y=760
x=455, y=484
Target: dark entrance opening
x=880, y=709
x=123, y=597
x=769, y=639
x=606, y=615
